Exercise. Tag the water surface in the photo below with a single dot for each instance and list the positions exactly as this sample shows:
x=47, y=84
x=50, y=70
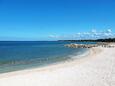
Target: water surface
x=16, y=55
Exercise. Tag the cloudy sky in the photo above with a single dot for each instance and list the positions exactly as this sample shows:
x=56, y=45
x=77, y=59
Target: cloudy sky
x=56, y=19
x=93, y=34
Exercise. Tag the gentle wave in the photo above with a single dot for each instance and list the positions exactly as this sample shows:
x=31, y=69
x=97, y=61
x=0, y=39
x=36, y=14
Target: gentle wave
x=21, y=55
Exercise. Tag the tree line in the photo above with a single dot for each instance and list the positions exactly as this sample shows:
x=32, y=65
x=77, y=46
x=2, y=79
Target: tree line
x=91, y=40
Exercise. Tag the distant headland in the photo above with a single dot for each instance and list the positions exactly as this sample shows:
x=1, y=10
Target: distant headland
x=91, y=40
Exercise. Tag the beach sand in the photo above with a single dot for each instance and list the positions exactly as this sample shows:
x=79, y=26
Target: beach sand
x=96, y=69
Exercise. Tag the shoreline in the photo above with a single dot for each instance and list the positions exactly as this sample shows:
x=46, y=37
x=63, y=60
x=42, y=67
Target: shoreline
x=95, y=69
x=71, y=58
x=51, y=66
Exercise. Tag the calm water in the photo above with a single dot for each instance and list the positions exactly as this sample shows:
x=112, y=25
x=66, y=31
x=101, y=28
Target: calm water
x=22, y=55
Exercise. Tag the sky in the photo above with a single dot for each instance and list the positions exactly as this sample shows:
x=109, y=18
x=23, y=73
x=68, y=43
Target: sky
x=56, y=19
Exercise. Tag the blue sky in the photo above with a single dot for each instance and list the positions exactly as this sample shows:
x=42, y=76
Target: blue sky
x=54, y=19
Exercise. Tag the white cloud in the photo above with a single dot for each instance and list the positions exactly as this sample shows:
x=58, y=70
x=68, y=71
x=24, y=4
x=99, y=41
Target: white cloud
x=93, y=34
x=53, y=36
x=109, y=31
x=93, y=31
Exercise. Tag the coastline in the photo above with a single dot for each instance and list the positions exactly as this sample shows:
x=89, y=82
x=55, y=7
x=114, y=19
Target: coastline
x=35, y=65
x=51, y=66
x=93, y=69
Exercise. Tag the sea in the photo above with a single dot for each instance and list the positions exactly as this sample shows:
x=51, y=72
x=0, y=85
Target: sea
x=21, y=55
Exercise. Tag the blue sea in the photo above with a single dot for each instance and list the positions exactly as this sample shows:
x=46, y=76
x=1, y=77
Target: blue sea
x=19, y=55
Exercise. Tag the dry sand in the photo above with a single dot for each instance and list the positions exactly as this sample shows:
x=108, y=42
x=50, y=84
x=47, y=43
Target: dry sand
x=96, y=69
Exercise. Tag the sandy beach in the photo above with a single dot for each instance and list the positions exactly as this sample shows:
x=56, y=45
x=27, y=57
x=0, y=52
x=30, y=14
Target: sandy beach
x=96, y=69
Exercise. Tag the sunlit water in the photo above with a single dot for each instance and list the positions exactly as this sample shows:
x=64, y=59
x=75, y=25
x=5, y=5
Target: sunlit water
x=21, y=55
